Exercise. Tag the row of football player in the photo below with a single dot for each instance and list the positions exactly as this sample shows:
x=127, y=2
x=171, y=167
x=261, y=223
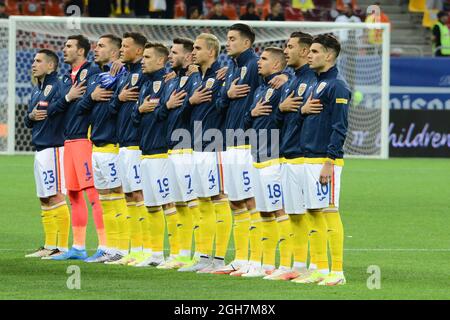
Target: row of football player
x=145, y=175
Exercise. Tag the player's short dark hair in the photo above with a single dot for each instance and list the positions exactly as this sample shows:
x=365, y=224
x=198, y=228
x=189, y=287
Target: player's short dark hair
x=52, y=56
x=303, y=37
x=137, y=37
x=159, y=48
x=250, y=5
x=279, y=54
x=115, y=40
x=192, y=9
x=244, y=30
x=82, y=43
x=329, y=42
x=188, y=44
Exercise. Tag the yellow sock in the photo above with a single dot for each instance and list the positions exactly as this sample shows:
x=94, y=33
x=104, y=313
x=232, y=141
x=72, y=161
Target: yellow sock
x=312, y=254
x=241, y=233
x=121, y=216
x=135, y=226
x=110, y=221
x=255, y=236
x=318, y=239
x=50, y=227
x=156, y=223
x=62, y=217
x=195, y=212
x=285, y=242
x=185, y=228
x=269, y=240
x=207, y=225
x=118, y=7
x=335, y=240
x=145, y=227
x=300, y=228
x=172, y=230
x=127, y=7
x=223, y=226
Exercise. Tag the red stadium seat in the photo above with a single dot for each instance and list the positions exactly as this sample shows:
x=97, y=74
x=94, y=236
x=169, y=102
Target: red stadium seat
x=292, y=14
x=230, y=11
x=242, y=10
x=209, y=4
x=12, y=7
x=54, y=8
x=340, y=5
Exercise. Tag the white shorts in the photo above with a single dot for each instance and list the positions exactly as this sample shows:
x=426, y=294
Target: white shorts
x=268, y=189
x=130, y=169
x=207, y=174
x=106, y=170
x=158, y=180
x=292, y=181
x=237, y=168
x=183, y=185
x=49, y=172
x=319, y=196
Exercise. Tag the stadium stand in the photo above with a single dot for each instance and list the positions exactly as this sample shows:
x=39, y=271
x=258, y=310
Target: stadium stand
x=411, y=20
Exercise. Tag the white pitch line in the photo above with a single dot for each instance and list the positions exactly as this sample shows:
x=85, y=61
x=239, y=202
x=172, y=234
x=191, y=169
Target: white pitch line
x=399, y=249
x=349, y=249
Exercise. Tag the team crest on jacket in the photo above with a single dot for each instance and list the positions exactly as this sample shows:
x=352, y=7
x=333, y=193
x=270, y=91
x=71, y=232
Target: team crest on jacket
x=321, y=87
x=183, y=81
x=209, y=83
x=83, y=74
x=47, y=90
x=301, y=89
x=134, y=79
x=269, y=94
x=156, y=86
x=243, y=72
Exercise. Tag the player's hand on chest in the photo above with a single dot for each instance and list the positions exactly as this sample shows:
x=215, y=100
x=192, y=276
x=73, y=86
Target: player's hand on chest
x=236, y=90
x=321, y=90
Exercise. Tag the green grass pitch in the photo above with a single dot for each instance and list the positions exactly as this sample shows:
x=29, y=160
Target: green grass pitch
x=395, y=213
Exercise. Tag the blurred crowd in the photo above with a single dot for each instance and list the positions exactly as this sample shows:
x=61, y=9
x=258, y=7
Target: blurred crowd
x=435, y=12
x=275, y=10
x=281, y=10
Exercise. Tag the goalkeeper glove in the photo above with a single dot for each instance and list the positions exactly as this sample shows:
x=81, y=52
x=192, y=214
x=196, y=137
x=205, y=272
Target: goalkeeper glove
x=107, y=80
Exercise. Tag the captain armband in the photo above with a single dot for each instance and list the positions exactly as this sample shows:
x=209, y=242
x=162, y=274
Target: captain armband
x=341, y=100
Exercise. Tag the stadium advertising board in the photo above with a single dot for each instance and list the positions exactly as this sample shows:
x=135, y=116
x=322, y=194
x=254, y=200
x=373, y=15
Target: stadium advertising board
x=420, y=84
x=419, y=133
x=420, y=107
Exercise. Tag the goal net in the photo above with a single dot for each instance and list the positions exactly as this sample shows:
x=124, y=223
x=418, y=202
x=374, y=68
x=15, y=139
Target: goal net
x=4, y=85
x=364, y=65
